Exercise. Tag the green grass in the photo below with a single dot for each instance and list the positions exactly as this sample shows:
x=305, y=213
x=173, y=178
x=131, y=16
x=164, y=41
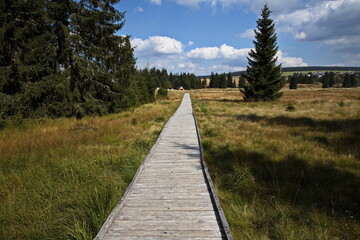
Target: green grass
x=284, y=174
x=59, y=179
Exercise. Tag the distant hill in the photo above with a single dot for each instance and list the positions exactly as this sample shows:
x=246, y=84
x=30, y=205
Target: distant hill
x=304, y=69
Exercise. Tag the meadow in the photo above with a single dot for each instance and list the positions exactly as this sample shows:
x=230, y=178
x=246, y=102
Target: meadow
x=288, y=169
x=60, y=178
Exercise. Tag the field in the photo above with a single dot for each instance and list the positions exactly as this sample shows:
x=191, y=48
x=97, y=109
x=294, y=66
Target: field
x=288, y=169
x=59, y=179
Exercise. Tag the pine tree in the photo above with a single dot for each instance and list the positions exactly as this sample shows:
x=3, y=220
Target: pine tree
x=212, y=80
x=223, y=81
x=353, y=80
x=347, y=81
x=331, y=79
x=229, y=80
x=242, y=81
x=325, y=80
x=216, y=80
x=203, y=83
x=263, y=75
x=293, y=82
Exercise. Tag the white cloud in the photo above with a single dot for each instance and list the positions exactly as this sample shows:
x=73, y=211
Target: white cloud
x=290, y=61
x=334, y=23
x=165, y=52
x=190, y=43
x=224, y=52
x=157, y=45
x=156, y=2
x=206, y=53
x=249, y=33
x=139, y=10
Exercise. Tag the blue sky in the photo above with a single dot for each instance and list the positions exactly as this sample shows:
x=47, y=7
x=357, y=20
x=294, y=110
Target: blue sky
x=204, y=36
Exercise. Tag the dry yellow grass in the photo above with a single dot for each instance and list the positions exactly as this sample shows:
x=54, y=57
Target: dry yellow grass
x=59, y=179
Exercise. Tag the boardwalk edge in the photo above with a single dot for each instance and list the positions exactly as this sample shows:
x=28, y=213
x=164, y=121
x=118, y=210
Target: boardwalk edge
x=216, y=202
x=118, y=207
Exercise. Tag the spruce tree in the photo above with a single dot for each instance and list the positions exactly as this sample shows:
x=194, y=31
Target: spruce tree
x=263, y=75
x=212, y=80
x=325, y=80
x=353, y=80
x=293, y=82
x=223, y=81
x=242, y=81
x=229, y=80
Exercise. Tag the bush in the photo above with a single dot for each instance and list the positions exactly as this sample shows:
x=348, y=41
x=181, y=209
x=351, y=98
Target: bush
x=290, y=107
x=162, y=93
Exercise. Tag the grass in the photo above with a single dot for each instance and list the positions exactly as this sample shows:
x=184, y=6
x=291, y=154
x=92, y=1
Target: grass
x=288, y=169
x=60, y=178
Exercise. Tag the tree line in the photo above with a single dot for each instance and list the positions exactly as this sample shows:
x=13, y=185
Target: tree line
x=221, y=80
x=328, y=79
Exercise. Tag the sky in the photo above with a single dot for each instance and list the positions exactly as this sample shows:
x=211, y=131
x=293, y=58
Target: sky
x=204, y=36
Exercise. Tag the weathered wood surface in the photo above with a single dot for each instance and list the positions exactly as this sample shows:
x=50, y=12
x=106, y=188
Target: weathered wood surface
x=169, y=196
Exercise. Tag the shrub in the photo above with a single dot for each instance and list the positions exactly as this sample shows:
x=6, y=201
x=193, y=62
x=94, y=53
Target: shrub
x=290, y=107
x=162, y=93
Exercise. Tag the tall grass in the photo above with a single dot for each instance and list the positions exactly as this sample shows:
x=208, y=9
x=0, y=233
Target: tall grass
x=59, y=179
x=285, y=174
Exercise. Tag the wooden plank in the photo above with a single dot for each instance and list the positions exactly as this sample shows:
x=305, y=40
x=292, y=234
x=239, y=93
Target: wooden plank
x=169, y=197
x=180, y=234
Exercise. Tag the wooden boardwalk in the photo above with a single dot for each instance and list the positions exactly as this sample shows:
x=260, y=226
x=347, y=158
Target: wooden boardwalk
x=171, y=196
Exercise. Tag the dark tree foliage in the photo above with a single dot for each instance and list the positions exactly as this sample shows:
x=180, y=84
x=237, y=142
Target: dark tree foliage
x=214, y=80
x=263, y=75
x=303, y=78
x=64, y=58
x=242, y=81
x=293, y=82
x=203, y=83
x=229, y=81
x=223, y=81
x=328, y=79
x=350, y=80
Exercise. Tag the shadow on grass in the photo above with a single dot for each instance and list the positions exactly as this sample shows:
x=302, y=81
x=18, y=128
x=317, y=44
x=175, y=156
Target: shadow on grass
x=347, y=143
x=348, y=125
x=293, y=180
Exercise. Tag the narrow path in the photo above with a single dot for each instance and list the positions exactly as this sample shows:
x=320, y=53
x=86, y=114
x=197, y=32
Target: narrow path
x=169, y=197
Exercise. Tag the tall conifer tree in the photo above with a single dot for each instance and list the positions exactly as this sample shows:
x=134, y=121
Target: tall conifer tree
x=263, y=75
x=229, y=80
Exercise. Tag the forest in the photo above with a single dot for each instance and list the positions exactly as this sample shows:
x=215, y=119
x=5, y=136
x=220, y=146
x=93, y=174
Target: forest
x=68, y=58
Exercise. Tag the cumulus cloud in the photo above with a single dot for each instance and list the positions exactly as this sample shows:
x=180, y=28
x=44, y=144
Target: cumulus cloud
x=335, y=23
x=290, y=61
x=212, y=53
x=157, y=45
x=169, y=53
x=249, y=33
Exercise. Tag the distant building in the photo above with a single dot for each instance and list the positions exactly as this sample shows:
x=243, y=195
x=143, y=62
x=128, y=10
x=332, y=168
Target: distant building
x=181, y=88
